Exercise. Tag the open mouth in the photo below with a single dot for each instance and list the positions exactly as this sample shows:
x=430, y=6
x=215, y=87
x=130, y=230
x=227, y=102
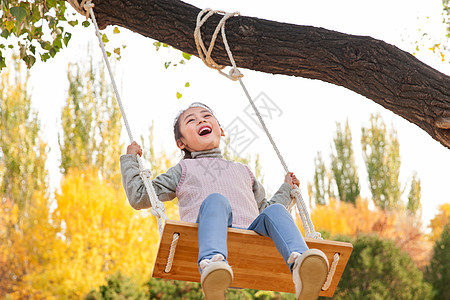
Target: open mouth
x=204, y=130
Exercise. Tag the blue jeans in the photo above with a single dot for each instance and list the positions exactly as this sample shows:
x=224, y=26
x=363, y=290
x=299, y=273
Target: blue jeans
x=215, y=216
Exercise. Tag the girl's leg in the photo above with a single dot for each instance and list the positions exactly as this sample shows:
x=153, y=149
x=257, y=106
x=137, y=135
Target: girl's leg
x=213, y=220
x=276, y=223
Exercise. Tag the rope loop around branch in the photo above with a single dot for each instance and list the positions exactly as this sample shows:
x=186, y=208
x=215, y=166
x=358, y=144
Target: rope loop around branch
x=205, y=54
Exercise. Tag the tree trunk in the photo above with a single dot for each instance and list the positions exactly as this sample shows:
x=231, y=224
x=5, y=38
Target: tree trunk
x=379, y=71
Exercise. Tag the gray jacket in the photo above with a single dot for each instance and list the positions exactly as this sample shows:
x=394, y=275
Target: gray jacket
x=165, y=185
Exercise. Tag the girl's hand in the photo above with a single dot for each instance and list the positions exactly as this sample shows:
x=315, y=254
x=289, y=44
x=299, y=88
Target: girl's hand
x=134, y=149
x=291, y=179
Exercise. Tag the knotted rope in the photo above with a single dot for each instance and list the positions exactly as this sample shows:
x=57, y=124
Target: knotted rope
x=235, y=74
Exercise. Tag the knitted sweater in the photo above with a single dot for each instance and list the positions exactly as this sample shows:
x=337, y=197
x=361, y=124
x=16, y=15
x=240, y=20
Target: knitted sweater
x=166, y=184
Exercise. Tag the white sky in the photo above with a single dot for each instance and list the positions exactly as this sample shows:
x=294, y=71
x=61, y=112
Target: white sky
x=310, y=109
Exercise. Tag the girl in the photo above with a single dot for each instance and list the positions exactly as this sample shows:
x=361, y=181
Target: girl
x=218, y=194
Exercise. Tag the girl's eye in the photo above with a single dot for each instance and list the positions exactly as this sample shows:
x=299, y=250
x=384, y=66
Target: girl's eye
x=207, y=116
x=189, y=121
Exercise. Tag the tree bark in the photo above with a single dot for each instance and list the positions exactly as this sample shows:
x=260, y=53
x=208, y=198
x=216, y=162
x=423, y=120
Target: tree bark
x=379, y=71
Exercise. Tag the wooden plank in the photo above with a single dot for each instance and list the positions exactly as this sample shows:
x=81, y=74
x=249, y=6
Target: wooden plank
x=254, y=258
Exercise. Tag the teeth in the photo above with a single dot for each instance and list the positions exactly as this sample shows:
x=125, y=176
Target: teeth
x=204, y=130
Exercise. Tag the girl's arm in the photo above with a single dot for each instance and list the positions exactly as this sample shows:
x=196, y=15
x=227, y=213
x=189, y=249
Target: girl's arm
x=282, y=196
x=165, y=184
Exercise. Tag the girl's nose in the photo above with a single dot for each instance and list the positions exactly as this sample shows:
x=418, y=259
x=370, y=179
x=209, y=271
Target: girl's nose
x=201, y=121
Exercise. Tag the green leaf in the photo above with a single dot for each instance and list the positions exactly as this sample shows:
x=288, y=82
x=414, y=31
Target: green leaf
x=19, y=13
x=104, y=38
x=182, y=62
x=67, y=37
x=5, y=33
x=33, y=49
x=45, y=57
x=116, y=30
x=52, y=52
x=187, y=84
x=165, y=45
x=86, y=23
x=179, y=95
x=2, y=62
x=57, y=43
x=73, y=23
x=157, y=45
x=187, y=56
x=45, y=45
x=29, y=60
x=50, y=3
x=108, y=53
x=167, y=64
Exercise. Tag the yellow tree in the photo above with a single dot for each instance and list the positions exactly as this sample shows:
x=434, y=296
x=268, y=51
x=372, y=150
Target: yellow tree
x=99, y=234
x=22, y=173
x=91, y=123
x=439, y=221
x=339, y=218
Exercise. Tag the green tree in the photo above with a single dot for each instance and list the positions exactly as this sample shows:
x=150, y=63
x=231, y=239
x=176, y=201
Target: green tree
x=321, y=189
x=172, y=289
x=343, y=165
x=118, y=287
x=414, y=195
x=379, y=270
x=382, y=158
x=91, y=124
x=438, y=272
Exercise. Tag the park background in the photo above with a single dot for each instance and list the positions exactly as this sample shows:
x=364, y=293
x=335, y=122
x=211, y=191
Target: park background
x=305, y=119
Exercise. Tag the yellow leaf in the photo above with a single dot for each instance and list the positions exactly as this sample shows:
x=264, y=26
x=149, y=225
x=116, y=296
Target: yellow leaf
x=179, y=95
x=9, y=25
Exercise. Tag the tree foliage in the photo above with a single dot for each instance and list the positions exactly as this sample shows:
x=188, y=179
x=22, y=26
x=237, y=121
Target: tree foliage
x=321, y=190
x=91, y=124
x=23, y=152
x=439, y=221
x=379, y=270
x=36, y=27
x=413, y=205
x=438, y=272
x=98, y=235
x=382, y=158
x=118, y=286
x=23, y=184
x=340, y=218
x=343, y=165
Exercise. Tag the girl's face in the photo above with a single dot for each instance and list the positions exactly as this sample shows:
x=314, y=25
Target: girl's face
x=199, y=130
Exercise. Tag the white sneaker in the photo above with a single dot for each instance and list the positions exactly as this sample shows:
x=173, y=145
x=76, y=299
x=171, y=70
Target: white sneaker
x=216, y=277
x=309, y=273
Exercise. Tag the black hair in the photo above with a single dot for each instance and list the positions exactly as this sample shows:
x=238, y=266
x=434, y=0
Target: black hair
x=176, y=126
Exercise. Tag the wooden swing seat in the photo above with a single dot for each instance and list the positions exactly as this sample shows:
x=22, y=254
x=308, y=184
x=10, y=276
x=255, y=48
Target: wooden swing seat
x=256, y=262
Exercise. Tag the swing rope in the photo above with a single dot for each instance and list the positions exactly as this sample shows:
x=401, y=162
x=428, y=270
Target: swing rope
x=235, y=75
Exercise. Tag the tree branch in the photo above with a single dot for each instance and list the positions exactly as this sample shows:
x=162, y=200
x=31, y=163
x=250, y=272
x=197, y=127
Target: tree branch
x=379, y=71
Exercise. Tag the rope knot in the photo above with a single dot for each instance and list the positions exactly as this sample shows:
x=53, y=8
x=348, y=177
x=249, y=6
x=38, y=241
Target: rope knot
x=315, y=235
x=235, y=74
x=146, y=173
